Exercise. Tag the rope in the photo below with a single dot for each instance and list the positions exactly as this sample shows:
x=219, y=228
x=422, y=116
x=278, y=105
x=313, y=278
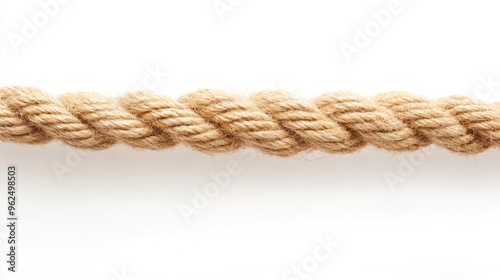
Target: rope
x=275, y=122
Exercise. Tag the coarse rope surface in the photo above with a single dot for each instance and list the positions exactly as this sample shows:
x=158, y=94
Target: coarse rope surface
x=273, y=121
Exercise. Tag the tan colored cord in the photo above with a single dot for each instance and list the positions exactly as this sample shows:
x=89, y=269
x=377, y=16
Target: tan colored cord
x=275, y=122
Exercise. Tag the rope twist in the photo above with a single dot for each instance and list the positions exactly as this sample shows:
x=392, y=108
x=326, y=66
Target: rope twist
x=275, y=122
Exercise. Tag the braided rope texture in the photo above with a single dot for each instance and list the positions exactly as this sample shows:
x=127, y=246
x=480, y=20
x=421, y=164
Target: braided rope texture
x=275, y=122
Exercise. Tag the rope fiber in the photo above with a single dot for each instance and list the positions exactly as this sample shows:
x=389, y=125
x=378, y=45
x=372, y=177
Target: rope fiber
x=273, y=121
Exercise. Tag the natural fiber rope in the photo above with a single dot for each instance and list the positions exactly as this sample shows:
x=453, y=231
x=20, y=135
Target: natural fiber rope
x=274, y=122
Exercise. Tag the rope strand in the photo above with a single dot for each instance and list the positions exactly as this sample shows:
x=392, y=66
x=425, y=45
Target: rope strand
x=275, y=122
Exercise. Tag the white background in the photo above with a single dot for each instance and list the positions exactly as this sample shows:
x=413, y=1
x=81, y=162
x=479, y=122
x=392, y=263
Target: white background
x=115, y=215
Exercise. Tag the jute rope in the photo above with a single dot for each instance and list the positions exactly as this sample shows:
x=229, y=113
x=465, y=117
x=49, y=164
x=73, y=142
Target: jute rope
x=274, y=122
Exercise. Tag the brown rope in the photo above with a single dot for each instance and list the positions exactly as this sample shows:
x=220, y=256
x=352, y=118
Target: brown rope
x=274, y=122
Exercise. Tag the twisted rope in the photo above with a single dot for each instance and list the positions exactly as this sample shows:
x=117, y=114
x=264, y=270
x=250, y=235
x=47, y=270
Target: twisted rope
x=274, y=122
